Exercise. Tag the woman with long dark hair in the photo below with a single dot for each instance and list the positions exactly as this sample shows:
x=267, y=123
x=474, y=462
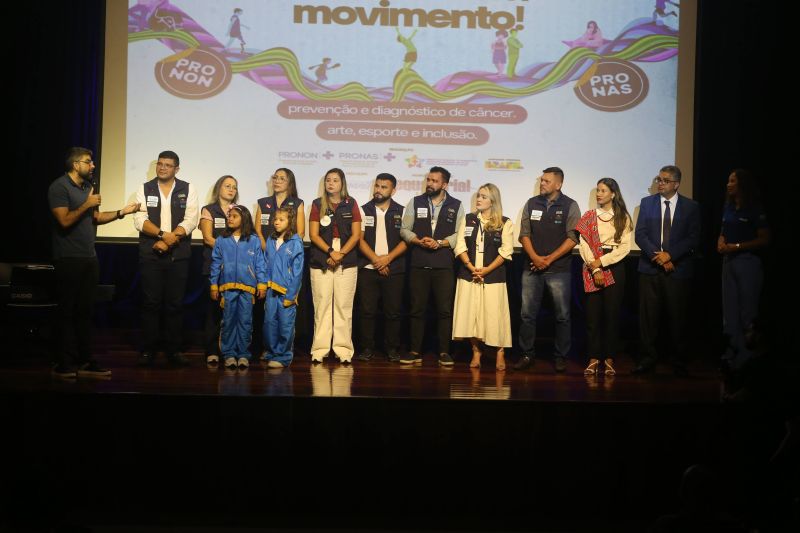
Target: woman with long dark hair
x=744, y=234
x=605, y=240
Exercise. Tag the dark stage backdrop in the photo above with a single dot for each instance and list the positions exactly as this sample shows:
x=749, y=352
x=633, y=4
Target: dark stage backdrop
x=56, y=80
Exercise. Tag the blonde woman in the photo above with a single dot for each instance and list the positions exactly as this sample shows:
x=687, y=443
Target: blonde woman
x=483, y=245
x=335, y=229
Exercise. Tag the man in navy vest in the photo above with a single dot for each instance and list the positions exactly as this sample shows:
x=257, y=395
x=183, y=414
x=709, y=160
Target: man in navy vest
x=430, y=226
x=548, y=235
x=74, y=205
x=668, y=233
x=383, y=268
x=165, y=227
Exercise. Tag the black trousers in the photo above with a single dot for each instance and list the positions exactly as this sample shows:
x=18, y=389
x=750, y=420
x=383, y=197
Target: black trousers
x=442, y=283
x=372, y=287
x=603, y=310
x=663, y=302
x=76, y=279
x=163, y=288
x=213, y=321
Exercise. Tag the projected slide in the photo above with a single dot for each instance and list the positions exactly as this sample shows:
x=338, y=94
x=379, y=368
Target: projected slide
x=493, y=90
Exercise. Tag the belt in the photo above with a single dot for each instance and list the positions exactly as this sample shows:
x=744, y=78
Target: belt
x=607, y=249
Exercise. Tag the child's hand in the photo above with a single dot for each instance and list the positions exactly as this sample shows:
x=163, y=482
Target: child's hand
x=215, y=295
x=262, y=293
x=288, y=303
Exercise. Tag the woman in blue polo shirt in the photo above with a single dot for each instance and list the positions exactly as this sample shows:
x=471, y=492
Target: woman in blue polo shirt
x=744, y=234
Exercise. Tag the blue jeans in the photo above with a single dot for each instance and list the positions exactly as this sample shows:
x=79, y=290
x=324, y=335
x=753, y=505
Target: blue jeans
x=742, y=278
x=534, y=285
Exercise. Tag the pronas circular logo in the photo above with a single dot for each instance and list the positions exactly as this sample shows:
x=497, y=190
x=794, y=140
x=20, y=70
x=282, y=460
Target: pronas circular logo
x=194, y=75
x=615, y=85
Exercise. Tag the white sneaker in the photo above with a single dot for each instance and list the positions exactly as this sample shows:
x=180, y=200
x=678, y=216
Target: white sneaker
x=244, y=363
x=275, y=364
x=212, y=359
x=230, y=362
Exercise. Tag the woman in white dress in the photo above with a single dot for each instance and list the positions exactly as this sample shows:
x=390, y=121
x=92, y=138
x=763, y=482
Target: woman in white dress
x=484, y=244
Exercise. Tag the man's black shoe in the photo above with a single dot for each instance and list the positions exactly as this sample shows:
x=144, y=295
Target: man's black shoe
x=146, y=359
x=523, y=363
x=647, y=366
x=177, y=359
x=365, y=355
x=63, y=371
x=561, y=364
x=93, y=370
x=393, y=357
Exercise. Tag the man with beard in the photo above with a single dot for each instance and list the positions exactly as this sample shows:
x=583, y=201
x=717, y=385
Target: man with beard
x=165, y=234
x=548, y=235
x=74, y=204
x=430, y=226
x=381, y=275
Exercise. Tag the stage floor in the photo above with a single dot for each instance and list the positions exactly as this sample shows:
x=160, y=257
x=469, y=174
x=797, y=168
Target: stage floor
x=374, y=379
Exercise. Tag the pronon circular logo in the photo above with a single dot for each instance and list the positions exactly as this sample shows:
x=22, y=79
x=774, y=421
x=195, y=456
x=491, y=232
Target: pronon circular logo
x=195, y=75
x=616, y=85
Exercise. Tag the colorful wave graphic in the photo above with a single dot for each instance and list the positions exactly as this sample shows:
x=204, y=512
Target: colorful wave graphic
x=279, y=70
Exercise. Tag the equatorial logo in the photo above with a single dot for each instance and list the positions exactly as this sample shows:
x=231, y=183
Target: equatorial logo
x=194, y=74
x=615, y=85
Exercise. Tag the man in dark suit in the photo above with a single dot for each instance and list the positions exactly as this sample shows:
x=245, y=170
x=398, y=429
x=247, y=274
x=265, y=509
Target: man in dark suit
x=667, y=232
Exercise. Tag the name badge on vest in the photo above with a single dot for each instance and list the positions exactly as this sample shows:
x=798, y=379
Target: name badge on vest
x=398, y=221
x=536, y=214
x=325, y=221
x=265, y=219
x=422, y=212
x=219, y=223
x=559, y=217
x=468, y=230
x=182, y=200
x=369, y=221
x=152, y=201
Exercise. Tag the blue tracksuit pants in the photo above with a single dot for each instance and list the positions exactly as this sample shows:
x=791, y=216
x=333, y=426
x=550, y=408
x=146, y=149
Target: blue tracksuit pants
x=237, y=324
x=278, y=329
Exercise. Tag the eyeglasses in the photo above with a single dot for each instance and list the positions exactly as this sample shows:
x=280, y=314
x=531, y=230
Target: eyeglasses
x=165, y=165
x=89, y=162
x=663, y=181
x=275, y=177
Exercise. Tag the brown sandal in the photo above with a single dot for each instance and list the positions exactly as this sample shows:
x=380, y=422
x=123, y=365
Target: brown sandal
x=609, y=364
x=591, y=370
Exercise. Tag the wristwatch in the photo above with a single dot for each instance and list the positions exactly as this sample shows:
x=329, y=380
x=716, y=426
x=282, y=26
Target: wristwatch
x=330, y=249
x=119, y=214
x=160, y=234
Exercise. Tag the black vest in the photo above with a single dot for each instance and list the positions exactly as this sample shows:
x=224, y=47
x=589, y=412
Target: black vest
x=343, y=218
x=445, y=226
x=393, y=220
x=492, y=240
x=217, y=227
x=550, y=231
x=180, y=195
x=268, y=205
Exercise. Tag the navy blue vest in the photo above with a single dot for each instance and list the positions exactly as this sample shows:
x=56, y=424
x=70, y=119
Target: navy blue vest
x=445, y=226
x=550, y=231
x=268, y=205
x=180, y=195
x=217, y=227
x=492, y=240
x=393, y=220
x=343, y=218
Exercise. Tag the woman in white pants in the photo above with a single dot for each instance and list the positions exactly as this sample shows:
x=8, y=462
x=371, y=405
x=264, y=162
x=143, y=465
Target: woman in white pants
x=335, y=229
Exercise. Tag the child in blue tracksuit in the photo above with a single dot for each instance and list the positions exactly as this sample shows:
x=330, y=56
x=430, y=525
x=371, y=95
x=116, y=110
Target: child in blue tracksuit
x=284, y=253
x=238, y=273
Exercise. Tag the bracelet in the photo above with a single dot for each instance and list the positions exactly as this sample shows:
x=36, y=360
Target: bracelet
x=119, y=214
x=596, y=270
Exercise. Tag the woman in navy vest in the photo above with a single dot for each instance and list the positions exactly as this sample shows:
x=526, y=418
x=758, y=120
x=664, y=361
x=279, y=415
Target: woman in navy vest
x=743, y=236
x=484, y=243
x=212, y=223
x=284, y=194
x=335, y=229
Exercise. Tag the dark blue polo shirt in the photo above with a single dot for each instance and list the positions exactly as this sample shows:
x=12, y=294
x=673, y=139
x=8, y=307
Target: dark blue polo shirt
x=741, y=225
x=78, y=239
